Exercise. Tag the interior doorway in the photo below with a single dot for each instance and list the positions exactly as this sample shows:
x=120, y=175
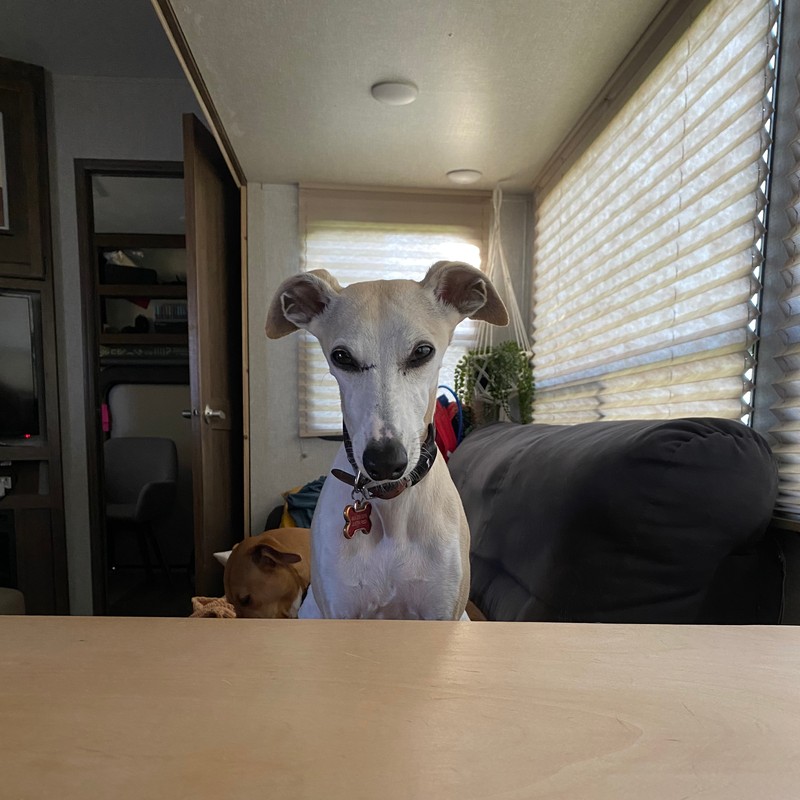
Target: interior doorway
x=160, y=247
x=132, y=217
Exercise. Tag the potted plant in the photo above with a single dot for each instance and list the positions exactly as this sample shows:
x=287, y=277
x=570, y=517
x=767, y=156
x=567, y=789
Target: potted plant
x=494, y=379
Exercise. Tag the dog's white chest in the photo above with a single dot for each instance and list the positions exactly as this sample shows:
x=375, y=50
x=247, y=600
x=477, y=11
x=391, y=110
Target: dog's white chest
x=387, y=577
x=409, y=566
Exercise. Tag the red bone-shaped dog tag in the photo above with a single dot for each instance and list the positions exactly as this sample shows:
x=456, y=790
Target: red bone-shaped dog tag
x=357, y=519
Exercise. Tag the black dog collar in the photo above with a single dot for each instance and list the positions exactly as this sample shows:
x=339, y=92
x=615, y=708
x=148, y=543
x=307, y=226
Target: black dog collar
x=391, y=489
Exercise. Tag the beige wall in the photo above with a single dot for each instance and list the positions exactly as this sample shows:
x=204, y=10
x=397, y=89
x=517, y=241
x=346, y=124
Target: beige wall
x=279, y=458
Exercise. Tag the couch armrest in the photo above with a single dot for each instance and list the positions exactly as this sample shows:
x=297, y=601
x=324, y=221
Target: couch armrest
x=612, y=521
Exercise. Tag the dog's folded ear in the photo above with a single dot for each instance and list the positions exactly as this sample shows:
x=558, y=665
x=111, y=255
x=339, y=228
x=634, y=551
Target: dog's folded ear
x=266, y=555
x=467, y=290
x=299, y=300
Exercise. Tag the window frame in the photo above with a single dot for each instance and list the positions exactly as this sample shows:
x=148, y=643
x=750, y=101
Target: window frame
x=324, y=205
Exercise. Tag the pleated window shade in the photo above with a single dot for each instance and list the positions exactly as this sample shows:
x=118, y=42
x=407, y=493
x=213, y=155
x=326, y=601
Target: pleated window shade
x=360, y=235
x=648, y=250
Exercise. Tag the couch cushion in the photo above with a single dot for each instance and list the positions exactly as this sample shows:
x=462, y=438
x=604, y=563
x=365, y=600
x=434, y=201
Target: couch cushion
x=613, y=521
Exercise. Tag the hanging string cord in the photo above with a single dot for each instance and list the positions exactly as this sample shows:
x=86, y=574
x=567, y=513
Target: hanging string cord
x=498, y=273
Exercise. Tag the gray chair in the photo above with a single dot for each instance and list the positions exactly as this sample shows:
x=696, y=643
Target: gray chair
x=140, y=479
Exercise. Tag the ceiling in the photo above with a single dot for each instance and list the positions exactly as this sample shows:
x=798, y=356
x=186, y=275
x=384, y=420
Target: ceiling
x=501, y=82
x=99, y=38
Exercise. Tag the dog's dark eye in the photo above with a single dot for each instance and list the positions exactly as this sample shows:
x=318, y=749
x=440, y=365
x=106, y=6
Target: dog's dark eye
x=343, y=359
x=245, y=600
x=421, y=354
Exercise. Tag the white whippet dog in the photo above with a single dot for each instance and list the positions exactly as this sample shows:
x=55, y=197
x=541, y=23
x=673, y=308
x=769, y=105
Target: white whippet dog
x=389, y=538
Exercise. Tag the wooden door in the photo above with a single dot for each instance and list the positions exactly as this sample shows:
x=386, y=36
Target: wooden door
x=215, y=351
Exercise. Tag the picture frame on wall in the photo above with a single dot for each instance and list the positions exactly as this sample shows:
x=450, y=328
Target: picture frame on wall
x=5, y=224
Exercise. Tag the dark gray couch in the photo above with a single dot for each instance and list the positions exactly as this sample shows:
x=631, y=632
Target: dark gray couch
x=633, y=521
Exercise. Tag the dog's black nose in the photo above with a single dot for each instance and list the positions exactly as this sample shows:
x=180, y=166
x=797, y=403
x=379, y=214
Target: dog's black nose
x=385, y=460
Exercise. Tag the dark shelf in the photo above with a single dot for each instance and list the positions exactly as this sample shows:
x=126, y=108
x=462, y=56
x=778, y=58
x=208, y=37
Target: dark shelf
x=146, y=241
x=142, y=290
x=144, y=338
x=24, y=452
x=19, y=502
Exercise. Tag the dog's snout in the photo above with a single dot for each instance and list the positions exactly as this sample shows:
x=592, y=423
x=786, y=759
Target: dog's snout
x=385, y=459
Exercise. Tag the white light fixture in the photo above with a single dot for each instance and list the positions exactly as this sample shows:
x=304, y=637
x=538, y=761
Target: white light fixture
x=464, y=176
x=395, y=93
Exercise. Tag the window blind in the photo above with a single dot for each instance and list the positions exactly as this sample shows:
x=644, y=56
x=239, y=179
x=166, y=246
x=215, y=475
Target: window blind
x=648, y=250
x=360, y=235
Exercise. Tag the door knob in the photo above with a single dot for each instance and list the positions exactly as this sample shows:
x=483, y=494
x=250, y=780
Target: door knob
x=211, y=413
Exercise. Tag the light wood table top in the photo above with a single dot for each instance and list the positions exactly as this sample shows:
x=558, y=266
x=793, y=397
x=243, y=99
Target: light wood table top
x=230, y=709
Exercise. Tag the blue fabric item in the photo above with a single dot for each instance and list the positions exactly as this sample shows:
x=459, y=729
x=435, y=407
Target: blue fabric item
x=460, y=413
x=303, y=502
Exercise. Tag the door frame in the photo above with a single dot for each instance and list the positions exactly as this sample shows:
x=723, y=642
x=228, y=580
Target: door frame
x=85, y=170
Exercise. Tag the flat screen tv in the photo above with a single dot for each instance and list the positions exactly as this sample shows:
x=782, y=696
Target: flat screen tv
x=20, y=370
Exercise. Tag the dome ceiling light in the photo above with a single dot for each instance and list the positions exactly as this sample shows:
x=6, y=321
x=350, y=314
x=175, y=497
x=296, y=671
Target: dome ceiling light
x=464, y=176
x=395, y=93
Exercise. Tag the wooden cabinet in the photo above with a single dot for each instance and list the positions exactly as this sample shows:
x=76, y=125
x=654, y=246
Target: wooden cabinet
x=32, y=549
x=24, y=197
x=32, y=536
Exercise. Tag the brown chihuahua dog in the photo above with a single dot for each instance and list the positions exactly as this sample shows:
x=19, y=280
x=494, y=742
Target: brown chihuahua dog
x=267, y=576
